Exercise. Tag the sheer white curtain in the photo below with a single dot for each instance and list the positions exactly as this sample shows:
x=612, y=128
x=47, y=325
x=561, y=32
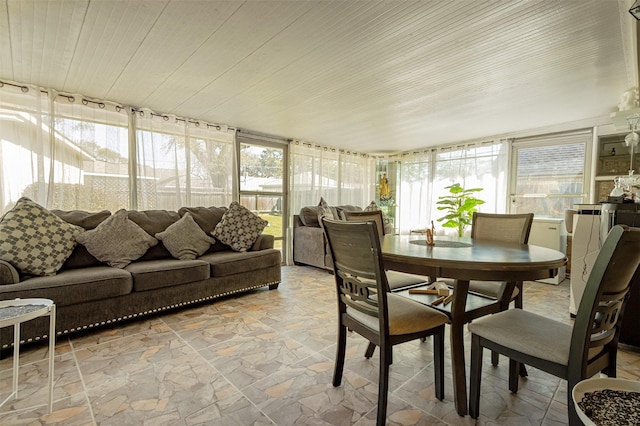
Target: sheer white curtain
x=357, y=179
x=62, y=151
x=182, y=162
x=313, y=174
x=70, y=152
x=339, y=177
x=25, y=145
x=416, y=172
x=425, y=174
x=96, y=132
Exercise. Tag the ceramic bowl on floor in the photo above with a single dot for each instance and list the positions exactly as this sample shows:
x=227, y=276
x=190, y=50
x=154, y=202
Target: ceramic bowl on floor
x=599, y=384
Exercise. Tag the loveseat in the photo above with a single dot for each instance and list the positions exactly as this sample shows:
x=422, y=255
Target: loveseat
x=310, y=245
x=90, y=293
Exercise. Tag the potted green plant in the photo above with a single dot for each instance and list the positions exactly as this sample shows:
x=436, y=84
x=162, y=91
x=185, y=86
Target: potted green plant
x=459, y=206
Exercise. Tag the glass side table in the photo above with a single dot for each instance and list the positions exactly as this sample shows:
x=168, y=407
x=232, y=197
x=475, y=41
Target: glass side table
x=15, y=312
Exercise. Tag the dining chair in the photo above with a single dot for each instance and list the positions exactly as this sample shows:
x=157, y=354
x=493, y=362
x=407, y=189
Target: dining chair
x=397, y=280
x=367, y=307
x=508, y=228
x=572, y=353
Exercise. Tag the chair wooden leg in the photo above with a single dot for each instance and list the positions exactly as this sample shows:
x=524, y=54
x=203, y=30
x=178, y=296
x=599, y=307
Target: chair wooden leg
x=370, y=350
x=438, y=362
x=340, y=353
x=514, y=368
x=495, y=357
x=523, y=370
x=475, y=377
x=518, y=299
x=383, y=385
x=610, y=369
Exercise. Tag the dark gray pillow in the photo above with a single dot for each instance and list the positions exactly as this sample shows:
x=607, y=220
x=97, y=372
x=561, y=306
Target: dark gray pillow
x=206, y=217
x=117, y=241
x=81, y=258
x=184, y=239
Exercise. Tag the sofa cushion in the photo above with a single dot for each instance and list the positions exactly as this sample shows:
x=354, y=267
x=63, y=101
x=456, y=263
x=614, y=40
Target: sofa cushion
x=81, y=258
x=34, y=240
x=74, y=286
x=239, y=227
x=206, y=217
x=117, y=241
x=86, y=220
x=230, y=262
x=185, y=239
x=154, y=221
x=151, y=274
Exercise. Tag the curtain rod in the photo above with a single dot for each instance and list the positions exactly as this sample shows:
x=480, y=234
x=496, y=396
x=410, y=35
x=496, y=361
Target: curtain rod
x=118, y=107
x=265, y=136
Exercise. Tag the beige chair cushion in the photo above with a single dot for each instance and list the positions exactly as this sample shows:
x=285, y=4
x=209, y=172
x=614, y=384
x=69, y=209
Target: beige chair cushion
x=398, y=280
x=405, y=316
x=528, y=333
x=492, y=289
x=519, y=330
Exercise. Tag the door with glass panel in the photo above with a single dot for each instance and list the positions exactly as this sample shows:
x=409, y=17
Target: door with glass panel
x=263, y=184
x=550, y=174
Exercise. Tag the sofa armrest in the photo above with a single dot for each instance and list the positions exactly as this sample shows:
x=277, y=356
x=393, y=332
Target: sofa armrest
x=8, y=274
x=264, y=242
x=309, y=246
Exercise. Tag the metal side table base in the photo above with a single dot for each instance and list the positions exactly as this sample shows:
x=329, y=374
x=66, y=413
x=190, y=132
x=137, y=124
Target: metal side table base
x=15, y=312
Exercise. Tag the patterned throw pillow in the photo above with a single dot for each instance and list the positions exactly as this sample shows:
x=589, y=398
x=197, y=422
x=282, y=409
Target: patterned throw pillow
x=117, y=241
x=325, y=211
x=34, y=240
x=239, y=227
x=184, y=239
x=388, y=226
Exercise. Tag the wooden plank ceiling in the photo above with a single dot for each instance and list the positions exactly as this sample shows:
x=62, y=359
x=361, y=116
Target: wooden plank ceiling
x=369, y=76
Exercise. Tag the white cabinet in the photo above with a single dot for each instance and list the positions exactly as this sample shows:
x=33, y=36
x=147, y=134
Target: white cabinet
x=550, y=233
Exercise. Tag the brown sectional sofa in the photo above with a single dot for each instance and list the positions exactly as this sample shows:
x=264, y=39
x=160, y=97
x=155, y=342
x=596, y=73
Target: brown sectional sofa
x=89, y=293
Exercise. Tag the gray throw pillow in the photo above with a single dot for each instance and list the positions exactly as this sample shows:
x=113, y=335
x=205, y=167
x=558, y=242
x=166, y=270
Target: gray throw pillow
x=184, y=239
x=117, y=241
x=206, y=217
x=325, y=211
x=34, y=240
x=239, y=227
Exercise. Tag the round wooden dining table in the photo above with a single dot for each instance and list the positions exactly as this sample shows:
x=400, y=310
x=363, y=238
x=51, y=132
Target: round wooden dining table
x=464, y=260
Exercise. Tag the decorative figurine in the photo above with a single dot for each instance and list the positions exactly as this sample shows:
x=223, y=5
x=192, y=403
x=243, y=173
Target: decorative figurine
x=384, y=187
x=430, y=233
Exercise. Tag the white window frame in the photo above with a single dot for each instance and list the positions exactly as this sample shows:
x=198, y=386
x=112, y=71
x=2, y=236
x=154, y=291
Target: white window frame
x=569, y=137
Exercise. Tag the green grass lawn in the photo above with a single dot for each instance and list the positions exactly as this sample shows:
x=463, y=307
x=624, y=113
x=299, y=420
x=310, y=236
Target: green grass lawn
x=275, y=226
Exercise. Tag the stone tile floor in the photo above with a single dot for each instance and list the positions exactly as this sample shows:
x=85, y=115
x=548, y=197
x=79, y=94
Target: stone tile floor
x=265, y=358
